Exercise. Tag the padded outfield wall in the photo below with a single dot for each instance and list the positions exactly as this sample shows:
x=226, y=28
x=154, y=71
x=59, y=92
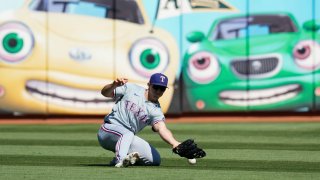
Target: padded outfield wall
x=220, y=55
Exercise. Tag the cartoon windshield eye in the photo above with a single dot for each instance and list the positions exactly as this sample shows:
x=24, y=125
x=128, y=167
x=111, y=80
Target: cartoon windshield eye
x=306, y=54
x=203, y=67
x=148, y=56
x=16, y=42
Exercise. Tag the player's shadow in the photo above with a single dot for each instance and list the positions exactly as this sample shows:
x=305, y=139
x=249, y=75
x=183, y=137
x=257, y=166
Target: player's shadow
x=97, y=165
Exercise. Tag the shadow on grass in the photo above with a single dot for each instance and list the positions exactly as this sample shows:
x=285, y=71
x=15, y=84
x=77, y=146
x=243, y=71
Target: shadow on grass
x=160, y=144
x=97, y=165
x=167, y=163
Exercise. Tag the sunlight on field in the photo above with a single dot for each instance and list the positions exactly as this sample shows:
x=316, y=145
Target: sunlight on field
x=234, y=151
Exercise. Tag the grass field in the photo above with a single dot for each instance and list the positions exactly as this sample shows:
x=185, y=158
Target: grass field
x=234, y=151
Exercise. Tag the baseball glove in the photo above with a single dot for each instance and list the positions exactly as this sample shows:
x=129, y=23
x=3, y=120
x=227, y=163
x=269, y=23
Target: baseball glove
x=189, y=149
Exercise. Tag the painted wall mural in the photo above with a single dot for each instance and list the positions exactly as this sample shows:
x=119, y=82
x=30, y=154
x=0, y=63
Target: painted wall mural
x=219, y=55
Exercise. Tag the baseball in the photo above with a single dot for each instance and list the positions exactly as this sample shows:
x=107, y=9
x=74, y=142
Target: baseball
x=192, y=161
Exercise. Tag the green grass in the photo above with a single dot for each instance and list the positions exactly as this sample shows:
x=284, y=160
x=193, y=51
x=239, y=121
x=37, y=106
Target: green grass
x=234, y=151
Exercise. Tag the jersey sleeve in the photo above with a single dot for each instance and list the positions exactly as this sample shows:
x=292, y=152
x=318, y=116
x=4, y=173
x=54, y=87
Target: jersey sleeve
x=156, y=116
x=120, y=91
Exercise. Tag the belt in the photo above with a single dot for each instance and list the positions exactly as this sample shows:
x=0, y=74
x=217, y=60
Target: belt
x=107, y=122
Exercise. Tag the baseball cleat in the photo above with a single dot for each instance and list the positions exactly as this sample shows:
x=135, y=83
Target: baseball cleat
x=119, y=164
x=131, y=159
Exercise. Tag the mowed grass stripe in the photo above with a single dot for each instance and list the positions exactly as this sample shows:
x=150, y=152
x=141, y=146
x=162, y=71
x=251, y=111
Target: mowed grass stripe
x=208, y=164
x=142, y=173
x=308, y=126
x=265, y=133
x=49, y=129
x=288, y=126
x=213, y=132
x=222, y=154
x=160, y=144
x=49, y=142
x=155, y=137
x=256, y=129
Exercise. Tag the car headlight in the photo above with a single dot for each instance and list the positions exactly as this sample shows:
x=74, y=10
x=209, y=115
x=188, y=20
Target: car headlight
x=203, y=67
x=306, y=54
x=148, y=56
x=16, y=40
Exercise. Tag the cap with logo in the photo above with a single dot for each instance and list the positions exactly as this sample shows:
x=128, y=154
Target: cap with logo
x=159, y=79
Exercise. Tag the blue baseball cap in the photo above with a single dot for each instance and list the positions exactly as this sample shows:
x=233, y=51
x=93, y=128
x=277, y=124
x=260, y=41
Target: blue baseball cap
x=159, y=79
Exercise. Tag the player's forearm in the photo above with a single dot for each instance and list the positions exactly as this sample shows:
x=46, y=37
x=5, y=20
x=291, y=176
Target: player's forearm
x=167, y=136
x=108, y=89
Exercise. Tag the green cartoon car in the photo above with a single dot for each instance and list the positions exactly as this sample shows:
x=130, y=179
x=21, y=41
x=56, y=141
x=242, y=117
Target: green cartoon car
x=260, y=62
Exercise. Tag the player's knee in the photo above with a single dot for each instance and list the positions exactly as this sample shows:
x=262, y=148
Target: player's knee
x=156, y=162
x=156, y=159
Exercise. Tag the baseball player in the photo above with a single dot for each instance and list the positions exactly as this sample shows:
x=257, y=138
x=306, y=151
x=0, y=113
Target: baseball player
x=135, y=108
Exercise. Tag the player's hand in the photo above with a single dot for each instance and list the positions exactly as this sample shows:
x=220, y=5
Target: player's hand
x=120, y=82
x=189, y=149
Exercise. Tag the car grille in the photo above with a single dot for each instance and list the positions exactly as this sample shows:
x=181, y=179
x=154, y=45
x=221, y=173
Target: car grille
x=256, y=67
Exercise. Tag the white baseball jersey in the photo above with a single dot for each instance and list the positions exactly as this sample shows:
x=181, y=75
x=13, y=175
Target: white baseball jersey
x=132, y=110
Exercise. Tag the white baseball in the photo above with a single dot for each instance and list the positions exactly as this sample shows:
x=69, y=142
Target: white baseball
x=192, y=161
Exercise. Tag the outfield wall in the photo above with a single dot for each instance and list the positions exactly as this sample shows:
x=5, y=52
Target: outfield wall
x=221, y=56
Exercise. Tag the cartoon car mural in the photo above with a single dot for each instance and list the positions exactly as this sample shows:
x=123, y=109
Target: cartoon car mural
x=56, y=55
x=172, y=8
x=258, y=62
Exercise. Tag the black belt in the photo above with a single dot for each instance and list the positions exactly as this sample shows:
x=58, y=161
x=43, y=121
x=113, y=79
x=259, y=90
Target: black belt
x=107, y=122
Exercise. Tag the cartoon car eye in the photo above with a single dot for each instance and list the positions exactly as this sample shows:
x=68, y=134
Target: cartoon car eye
x=149, y=55
x=16, y=41
x=203, y=67
x=306, y=54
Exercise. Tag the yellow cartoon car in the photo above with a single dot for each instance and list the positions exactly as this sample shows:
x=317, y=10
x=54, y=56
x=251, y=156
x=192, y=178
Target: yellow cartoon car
x=56, y=55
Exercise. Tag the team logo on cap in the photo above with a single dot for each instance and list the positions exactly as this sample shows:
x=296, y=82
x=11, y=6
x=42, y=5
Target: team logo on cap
x=162, y=78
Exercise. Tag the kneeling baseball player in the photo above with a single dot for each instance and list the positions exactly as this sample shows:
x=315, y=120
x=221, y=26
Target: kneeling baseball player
x=136, y=108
